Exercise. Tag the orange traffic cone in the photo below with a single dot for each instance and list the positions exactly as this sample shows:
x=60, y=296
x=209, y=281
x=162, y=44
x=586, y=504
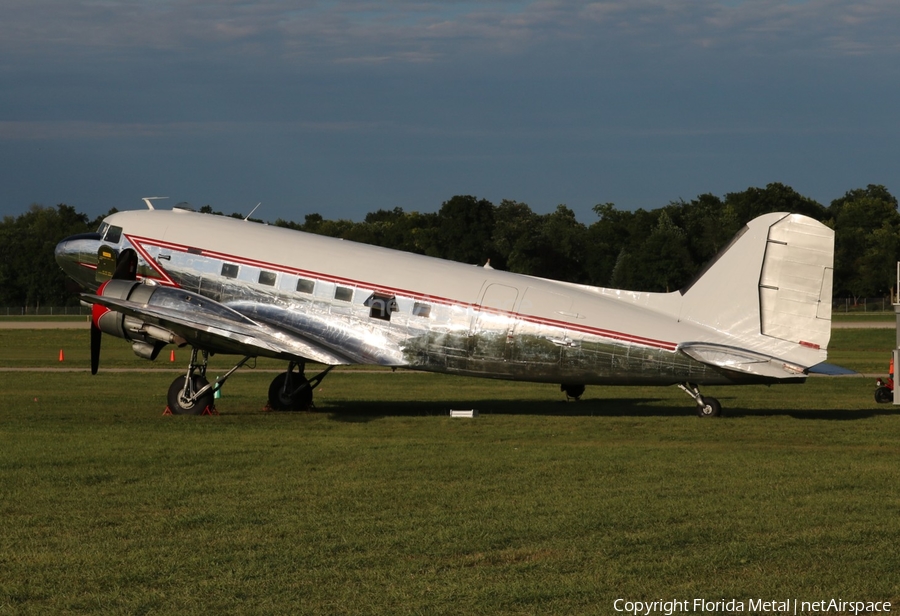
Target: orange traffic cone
x=61, y=356
x=172, y=355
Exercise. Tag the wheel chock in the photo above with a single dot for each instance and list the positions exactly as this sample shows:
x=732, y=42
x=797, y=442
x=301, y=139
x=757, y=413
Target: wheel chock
x=210, y=410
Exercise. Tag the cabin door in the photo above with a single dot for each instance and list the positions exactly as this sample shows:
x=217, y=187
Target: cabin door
x=540, y=333
x=492, y=324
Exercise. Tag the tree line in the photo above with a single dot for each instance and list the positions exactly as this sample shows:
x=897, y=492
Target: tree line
x=645, y=250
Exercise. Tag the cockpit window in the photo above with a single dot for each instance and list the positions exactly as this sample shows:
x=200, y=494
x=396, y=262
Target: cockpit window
x=103, y=227
x=113, y=234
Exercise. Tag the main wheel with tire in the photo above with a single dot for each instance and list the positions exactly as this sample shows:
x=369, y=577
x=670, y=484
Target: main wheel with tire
x=297, y=396
x=178, y=405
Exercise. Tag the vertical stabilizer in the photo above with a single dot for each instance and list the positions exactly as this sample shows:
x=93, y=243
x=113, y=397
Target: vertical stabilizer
x=772, y=283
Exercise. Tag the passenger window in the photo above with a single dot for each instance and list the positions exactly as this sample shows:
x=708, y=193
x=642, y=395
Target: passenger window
x=421, y=310
x=381, y=306
x=344, y=294
x=230, y=270
x=267, y=278
x=306, y=286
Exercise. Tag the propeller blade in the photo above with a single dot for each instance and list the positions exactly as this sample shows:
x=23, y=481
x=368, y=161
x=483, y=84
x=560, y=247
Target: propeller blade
x=97, y=311
x=126, y=269
x=96, y=334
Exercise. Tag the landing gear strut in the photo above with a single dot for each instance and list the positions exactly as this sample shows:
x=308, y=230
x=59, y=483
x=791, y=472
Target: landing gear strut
x=292, y=391
x=707, y=406
x=192, y=394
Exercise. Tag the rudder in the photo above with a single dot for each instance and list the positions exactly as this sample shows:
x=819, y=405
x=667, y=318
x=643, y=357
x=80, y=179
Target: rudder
x=796, y=281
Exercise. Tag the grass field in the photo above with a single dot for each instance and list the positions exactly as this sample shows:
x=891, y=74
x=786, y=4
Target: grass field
x=379, y=503
x=865, y=317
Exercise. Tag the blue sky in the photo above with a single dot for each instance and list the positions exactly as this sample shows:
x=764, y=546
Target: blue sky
x=342, y=108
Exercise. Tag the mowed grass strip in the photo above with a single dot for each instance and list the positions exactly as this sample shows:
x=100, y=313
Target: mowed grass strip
x=862, y=350
x=379, y=503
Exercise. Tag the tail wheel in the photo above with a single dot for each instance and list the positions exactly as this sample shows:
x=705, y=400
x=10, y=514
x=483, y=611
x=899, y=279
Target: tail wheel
x=290, y=391
x=572, y=391
x=180, y=405
x=709, y=407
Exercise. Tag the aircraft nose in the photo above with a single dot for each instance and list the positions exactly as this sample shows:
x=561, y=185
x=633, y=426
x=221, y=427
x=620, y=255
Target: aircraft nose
x=77, y=256
x=62, y=252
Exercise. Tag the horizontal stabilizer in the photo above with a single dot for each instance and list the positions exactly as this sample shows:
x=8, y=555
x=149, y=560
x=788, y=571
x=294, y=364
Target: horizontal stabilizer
x=740, y=360
x=831, y=370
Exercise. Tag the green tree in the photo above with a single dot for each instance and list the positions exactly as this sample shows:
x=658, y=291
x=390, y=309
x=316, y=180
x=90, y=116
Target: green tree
x=660, y=262
x=515, y=225
x=708, y=223
x=559, y=247
x=654, y=250
x=465, y=226
x=867, y=241
x=408, y=231
x=617, y=242
x=606, y=239
x=29, y=274
x=775, y=197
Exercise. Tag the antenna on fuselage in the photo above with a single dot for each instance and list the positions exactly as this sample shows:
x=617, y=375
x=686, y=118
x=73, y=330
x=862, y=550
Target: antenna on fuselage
x=251, y=211
x=148, y=200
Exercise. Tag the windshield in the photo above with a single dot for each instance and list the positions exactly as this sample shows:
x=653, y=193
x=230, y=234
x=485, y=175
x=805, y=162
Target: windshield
x=110, y=233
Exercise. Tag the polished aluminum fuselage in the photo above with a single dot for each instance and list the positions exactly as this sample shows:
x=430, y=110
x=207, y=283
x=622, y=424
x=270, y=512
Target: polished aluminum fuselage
x=441, y=316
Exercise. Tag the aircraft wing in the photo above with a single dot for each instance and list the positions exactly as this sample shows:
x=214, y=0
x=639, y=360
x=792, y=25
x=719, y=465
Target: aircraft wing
x=225, y=332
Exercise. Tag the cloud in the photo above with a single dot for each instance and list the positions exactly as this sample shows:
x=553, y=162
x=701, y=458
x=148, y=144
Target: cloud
x=68, y=130
x=79, y=130
x=407, y=31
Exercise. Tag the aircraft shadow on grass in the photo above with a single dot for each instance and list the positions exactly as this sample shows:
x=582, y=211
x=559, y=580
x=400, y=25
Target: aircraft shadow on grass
x=357, y=411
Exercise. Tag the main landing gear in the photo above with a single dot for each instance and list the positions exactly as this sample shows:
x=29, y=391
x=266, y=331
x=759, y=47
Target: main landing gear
x=192, y=394
x=292, y=391
x=707, y=406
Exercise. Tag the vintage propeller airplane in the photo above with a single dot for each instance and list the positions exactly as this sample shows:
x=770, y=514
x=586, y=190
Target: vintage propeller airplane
x=759, y=313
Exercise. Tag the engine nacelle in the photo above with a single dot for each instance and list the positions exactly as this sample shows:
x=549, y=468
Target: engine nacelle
x=147, y=339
